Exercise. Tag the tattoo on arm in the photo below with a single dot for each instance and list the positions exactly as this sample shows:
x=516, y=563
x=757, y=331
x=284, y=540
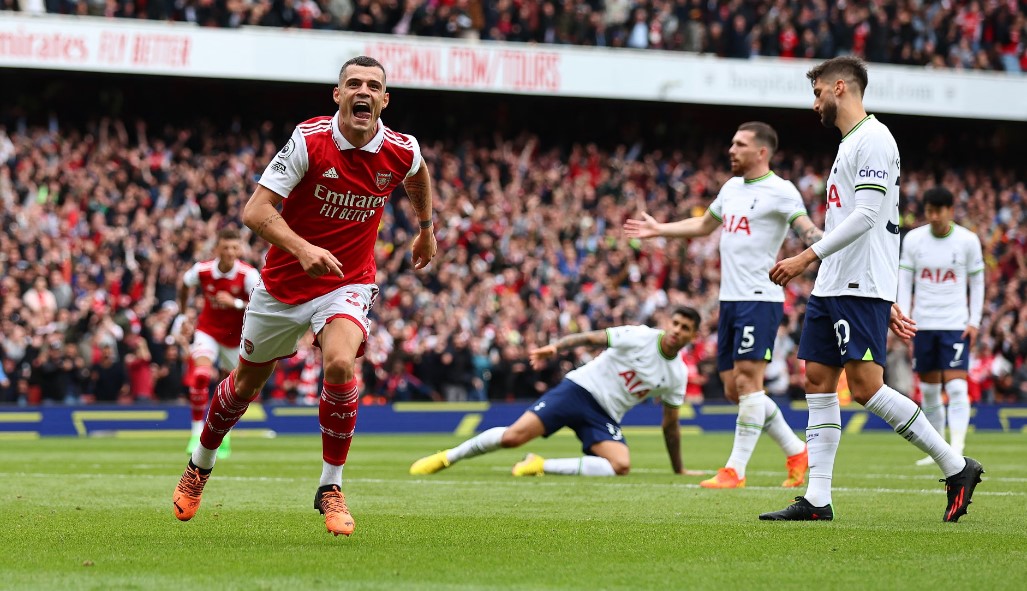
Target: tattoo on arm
x=595, y=337
x=419, y=192
x=812, y=235
x=259, y=230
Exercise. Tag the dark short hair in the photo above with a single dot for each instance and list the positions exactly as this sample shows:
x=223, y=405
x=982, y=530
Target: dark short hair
x=939, y=197
x=848, y=67
x=764, y=133
x=229, y=233
x=362, y=60
x=689, y=313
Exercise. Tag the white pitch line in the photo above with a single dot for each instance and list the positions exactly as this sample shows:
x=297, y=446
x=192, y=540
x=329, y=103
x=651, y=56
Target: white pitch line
x=493, y=483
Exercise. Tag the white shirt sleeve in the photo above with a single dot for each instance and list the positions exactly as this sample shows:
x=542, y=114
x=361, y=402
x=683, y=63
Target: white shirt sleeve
x=288, y=166
x=192, y=276
x=859, y=222
x=251, y=280
x=716, y=208
x=416, y=164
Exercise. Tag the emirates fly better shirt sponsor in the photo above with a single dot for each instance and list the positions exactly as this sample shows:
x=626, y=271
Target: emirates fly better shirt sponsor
x=940, y=267
x=868, y=159
x=756, y=215
x=335, y=194
x=632, y=369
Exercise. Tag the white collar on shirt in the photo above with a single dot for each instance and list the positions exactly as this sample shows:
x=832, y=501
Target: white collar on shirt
x=216, y=273
x=343, y=144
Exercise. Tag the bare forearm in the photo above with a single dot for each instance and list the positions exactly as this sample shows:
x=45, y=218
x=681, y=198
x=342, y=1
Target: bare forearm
x=267, y=223
x=418, y=188
x=690, y=228
x=594, y=338
x=672, y=437
x=183, y=298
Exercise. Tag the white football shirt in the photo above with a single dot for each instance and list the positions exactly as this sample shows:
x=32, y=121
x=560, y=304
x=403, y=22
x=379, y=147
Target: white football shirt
x=631, y=369
x=941, y=267
x=868, y=159
x=755, y=217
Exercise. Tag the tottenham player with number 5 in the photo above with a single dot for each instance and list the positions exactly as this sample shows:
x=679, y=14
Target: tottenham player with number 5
x=940, y=259
x=332, y=180
x=851, y=309
x=755, y=207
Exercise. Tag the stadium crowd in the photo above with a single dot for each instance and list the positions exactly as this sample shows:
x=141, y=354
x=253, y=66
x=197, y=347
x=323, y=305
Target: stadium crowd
x=100, y=222
x=964, y=34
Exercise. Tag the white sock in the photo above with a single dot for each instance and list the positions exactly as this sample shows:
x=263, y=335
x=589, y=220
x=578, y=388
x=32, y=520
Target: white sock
x=959, y=413
x=909, y=421
x=777, y=428
x=331, y=474
x=823, y=434
x=197, y=427
x=585, y=466
x=748, y=427
x=204, y=458
x=934, y=408
x=481, y=443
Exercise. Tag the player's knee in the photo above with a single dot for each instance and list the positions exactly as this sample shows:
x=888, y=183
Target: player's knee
x=339, y=369
x=513, y=438
x=202, y=376
x=621, y=468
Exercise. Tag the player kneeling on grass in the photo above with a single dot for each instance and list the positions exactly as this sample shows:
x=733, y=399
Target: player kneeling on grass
x=640, y=362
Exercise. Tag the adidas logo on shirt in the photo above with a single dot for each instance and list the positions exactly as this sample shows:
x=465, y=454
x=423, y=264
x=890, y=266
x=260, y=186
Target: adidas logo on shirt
x=331, y=174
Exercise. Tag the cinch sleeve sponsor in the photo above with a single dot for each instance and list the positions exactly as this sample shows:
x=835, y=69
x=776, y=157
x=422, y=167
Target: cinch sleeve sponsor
x=288, y=166
x=873, y=160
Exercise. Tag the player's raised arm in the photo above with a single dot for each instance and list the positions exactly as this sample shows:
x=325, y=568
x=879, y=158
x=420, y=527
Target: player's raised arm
x=261, y=215
x=418, y=188
x=540, y=356
x=648, y=227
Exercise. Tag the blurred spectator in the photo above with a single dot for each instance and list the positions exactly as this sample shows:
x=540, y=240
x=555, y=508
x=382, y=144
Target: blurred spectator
x=529, y=241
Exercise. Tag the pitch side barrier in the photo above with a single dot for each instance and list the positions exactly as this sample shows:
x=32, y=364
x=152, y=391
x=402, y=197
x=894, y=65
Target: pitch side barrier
x=461, y=419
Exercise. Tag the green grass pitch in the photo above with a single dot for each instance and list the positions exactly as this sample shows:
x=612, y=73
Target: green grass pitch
x=96, y=514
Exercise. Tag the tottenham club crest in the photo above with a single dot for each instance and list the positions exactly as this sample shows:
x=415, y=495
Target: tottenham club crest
x=382, y=179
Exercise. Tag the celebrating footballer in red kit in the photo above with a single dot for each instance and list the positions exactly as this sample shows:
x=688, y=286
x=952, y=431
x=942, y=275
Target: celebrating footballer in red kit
x=332, y=180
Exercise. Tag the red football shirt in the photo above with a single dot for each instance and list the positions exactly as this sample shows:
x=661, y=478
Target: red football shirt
x=224, y=323
x=334, y=197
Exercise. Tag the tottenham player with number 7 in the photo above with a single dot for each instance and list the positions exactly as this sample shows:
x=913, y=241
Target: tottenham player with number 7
x=940, y=259
x=332, y=180
x=851, y=308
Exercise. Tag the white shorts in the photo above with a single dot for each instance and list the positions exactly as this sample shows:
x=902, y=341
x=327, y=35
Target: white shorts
x=272, y=330
x=223, y=357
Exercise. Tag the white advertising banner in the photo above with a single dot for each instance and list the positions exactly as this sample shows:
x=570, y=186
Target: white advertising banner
x=178, y=49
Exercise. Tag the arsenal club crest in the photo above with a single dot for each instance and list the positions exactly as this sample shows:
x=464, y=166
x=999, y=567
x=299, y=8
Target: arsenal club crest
x=248, y=346
x=382, y=179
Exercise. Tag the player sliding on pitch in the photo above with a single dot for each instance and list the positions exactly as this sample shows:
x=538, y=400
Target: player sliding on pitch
x=639, y=363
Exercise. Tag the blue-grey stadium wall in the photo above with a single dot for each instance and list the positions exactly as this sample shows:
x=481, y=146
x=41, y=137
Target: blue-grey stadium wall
x=462, y=419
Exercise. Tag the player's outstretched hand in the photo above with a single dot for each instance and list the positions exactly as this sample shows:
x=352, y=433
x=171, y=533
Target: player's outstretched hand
x=317, y=261
x=647, y=227
x=900, y=324
x=424, y=247
x=539, y=357
x=970, y=335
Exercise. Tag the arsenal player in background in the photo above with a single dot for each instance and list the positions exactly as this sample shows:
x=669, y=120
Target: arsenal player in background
x=224, y=286
x=331, y=180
